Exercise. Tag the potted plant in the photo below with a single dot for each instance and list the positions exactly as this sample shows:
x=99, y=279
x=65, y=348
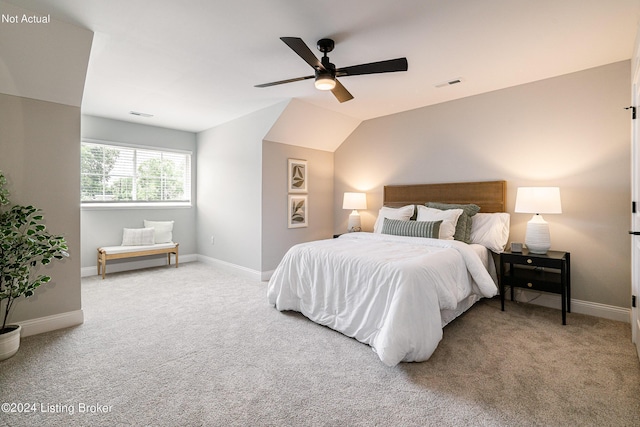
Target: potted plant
x=25, y=245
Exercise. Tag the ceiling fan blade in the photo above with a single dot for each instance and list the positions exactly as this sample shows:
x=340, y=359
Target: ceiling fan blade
x=389, y=66
x=303, y=51
x=341, y=93
x=297, y=79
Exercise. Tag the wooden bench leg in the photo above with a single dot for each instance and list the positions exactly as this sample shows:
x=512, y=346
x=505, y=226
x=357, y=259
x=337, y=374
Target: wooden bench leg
x=103, y=261
x=169, y=257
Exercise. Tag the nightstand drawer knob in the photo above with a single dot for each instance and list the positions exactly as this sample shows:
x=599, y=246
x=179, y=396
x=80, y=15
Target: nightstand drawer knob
x=530, y=284
x=529, y=261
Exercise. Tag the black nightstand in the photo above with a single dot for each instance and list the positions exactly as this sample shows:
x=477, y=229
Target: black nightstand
x=550, y=272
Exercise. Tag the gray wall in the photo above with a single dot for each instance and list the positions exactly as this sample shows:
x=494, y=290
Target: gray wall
x=276, y=237
x=570, y=131
x=40, y=156
x=103, y=227
x=230, y=189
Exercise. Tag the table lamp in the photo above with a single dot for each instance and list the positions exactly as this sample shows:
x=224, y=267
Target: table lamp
x=538, y=200
x=354, y=201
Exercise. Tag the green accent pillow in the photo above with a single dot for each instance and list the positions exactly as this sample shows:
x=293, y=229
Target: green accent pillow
x=398, y=227
x=463, y=227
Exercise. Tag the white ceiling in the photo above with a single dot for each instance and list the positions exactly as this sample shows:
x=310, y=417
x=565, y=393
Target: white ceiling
x=193, y=63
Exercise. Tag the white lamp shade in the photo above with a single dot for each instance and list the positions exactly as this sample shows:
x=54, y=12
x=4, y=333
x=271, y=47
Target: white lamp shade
x=354, y=201
x=538, y=200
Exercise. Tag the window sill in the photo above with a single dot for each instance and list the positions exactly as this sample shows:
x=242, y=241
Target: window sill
x=125, y=206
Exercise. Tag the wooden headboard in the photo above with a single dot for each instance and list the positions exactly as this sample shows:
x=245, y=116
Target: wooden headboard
x=491, y=196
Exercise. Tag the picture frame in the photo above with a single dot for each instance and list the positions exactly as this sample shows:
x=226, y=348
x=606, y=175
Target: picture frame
x=297, y=176
x=298, y=211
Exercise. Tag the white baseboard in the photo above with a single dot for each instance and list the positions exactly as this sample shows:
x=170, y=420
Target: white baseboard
x=116, y=267
x=232, y=268
x=51, y=323
x=577, y=306
x=266, y=275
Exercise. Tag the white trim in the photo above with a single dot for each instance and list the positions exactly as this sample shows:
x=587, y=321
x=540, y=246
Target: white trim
x=137, y=146
x=610, y=312
x=232, y=268
x=51, y=323
x=117, y=266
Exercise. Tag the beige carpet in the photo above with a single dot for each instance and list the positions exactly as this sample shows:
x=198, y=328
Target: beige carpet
x=195, y=346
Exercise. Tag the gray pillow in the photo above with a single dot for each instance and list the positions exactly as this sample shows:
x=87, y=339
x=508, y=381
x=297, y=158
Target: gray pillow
x=463, y=227
x=398, y=227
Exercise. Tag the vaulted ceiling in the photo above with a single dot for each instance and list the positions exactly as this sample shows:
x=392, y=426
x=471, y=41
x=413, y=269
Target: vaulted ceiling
x=193, y=64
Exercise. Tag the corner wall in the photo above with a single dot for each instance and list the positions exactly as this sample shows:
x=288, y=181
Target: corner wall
x=40, y=156
x=570, y=131
x=242, y=184
x=230, y=190
x=42, y=74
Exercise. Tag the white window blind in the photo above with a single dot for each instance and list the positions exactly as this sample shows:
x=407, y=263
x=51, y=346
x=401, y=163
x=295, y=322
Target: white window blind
x=122, y=174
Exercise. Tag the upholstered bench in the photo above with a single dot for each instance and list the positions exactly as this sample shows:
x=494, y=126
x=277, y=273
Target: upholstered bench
x=118, y=252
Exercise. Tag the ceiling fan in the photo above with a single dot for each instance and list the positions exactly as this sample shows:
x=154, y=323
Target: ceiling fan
x=326, y=72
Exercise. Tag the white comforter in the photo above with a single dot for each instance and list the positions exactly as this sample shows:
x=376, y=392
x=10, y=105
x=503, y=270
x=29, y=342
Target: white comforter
x=385, y=291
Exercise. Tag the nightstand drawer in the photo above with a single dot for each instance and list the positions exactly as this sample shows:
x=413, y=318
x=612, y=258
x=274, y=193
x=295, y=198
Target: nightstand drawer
x=532, y=261
x=544, y=285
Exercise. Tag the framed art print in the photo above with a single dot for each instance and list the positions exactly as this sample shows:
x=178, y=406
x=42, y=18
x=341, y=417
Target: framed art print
x=297, y=176
x=298, y=211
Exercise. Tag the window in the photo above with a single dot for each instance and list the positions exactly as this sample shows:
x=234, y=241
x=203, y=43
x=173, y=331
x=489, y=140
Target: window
x=119, y=174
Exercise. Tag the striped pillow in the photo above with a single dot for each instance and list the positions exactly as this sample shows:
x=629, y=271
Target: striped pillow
x=398, y=227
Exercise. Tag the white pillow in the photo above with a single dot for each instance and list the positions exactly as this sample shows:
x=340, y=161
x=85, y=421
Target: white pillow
x=137, y=236
x=403, y=214
x=164, y=230
x=448, y=217
x=491, y=230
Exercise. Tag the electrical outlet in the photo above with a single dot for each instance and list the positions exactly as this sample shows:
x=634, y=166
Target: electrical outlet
x=212, y=240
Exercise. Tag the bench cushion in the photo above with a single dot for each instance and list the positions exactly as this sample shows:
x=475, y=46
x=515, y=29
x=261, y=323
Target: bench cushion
x=124, y=249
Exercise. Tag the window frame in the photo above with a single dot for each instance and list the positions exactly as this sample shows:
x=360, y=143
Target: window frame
x=134, y=204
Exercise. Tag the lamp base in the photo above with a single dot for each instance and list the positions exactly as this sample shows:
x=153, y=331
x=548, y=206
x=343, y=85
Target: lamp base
x=538, y=239
x=354, y=222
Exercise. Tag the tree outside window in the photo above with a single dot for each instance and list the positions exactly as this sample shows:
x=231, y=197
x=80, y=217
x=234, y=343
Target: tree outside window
x=125, y=174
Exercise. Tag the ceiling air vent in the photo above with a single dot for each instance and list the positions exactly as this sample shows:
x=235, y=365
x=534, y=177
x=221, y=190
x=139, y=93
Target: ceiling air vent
x=449, y=83
x=136, y=113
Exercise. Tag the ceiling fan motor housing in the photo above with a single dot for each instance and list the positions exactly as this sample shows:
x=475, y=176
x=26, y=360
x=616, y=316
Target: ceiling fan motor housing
x=326, y=45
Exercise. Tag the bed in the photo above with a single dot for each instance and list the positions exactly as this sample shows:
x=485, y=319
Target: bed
x=390, y=289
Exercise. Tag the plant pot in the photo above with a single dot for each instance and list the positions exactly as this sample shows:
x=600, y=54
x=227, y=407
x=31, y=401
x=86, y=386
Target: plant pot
x=9, y=341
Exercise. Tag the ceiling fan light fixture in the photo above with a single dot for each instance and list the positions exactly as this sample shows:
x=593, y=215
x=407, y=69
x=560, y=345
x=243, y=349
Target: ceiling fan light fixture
x=325, y=81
